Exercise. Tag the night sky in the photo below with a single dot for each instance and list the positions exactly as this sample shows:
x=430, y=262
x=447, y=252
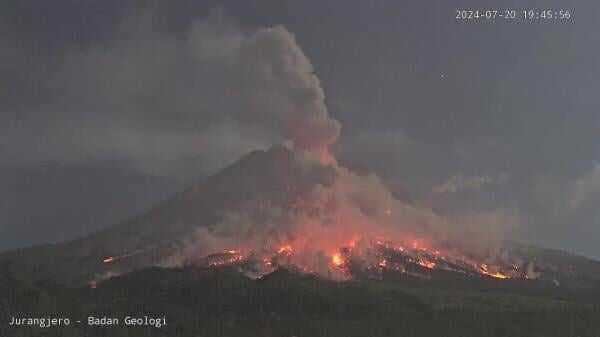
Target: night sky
x=107, y=107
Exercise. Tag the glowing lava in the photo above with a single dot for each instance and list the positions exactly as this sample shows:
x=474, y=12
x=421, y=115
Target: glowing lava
x=497, y=274
x=427, y=264
x=285, y=250
x=337, y=260
x=375, y=257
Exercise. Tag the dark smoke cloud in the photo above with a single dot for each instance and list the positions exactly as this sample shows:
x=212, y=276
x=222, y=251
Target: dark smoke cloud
x=287, y=91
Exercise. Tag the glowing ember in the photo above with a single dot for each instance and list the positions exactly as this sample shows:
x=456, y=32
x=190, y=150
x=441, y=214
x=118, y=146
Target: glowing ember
x=337, y=260
x=427, y=264
x=368, y=255
x=485, y=270
x=285, y=250
x=498, y=275
x=108, y=259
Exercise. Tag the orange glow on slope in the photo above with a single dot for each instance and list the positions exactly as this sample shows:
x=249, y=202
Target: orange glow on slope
x=497, y=274
x=375, y=255
x=427, y=264
x=286, y=250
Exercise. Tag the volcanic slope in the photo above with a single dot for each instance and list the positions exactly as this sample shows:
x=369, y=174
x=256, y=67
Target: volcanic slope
x=273, y=176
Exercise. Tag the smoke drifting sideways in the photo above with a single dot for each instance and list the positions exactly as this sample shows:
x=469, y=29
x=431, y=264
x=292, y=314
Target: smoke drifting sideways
x=172, y=104
x=282, y=89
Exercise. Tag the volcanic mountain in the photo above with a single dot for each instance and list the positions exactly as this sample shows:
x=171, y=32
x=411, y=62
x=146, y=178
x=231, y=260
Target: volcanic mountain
x=278, y=186
x=266, y=175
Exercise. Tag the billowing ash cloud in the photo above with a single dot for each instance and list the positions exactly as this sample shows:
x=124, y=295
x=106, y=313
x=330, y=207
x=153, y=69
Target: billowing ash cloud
x=283, y=88
x=263, y=80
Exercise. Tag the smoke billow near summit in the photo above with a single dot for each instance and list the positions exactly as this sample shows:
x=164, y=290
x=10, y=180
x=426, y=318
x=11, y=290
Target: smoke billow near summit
x=335, y=220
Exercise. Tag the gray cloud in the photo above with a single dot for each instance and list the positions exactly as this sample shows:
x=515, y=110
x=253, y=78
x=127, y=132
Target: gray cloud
x=171, y=103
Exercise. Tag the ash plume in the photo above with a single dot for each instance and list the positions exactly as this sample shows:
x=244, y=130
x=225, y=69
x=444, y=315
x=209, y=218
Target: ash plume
x=272, y=59
x=278, y=91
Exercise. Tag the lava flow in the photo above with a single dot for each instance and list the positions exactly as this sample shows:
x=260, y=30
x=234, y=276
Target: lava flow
x=337, y=260
x=374, y=257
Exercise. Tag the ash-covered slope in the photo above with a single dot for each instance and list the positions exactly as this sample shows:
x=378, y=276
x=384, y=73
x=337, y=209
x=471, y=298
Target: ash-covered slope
x=274, y=176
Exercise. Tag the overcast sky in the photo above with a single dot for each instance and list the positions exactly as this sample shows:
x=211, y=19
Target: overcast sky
x=107, y=107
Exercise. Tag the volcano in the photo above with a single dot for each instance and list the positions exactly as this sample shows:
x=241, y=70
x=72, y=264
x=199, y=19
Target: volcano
x=221, y=222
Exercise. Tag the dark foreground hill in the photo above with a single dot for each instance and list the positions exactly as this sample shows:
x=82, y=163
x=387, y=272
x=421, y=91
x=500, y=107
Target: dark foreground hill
x=222, y=302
